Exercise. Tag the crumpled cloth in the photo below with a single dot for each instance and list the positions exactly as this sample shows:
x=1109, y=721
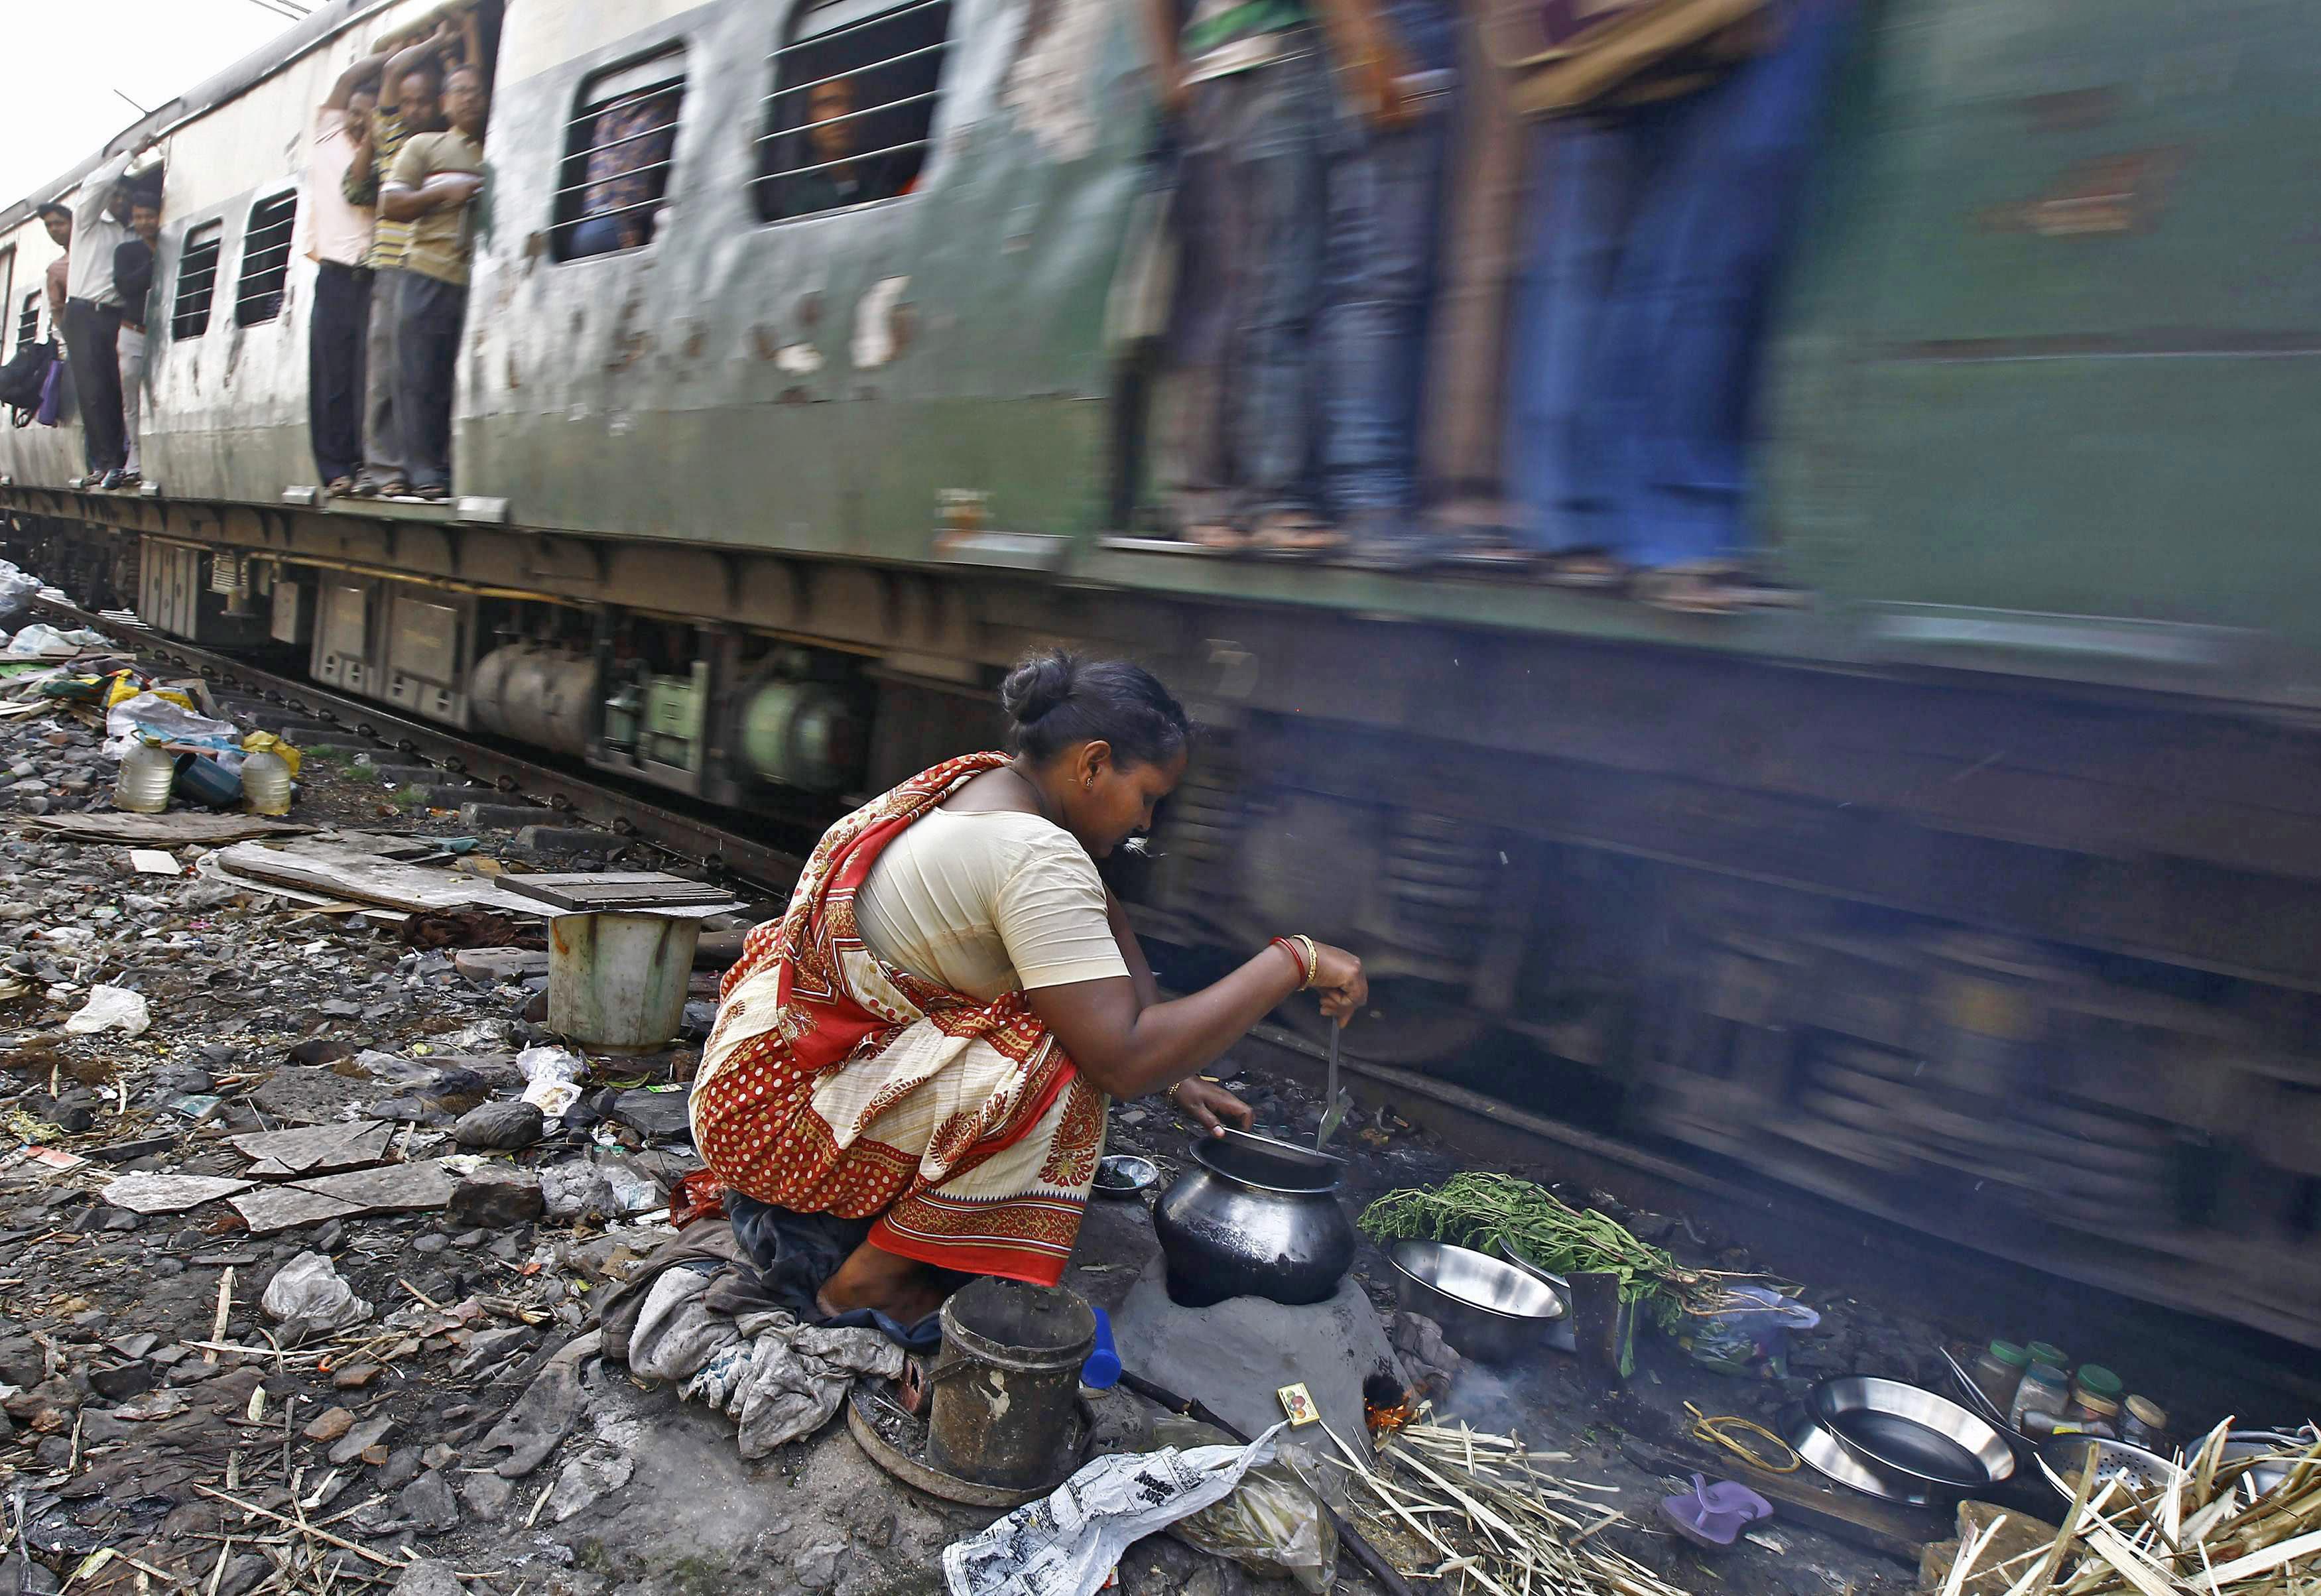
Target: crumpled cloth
x=786, y=1379
x=775, y=1376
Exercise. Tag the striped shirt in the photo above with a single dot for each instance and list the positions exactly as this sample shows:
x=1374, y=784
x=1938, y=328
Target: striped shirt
x=388, y=239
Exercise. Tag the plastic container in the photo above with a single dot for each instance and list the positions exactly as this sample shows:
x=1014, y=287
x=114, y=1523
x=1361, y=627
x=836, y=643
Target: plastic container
x=142, y=786
x=2145, y=1423
x=1998, y=1373
x=617, y=982
x=2044, y=1390
x=266, y=783
x=2093, y=1379
x=2093, y=1414
x=205, y=781
x=2047, y=1352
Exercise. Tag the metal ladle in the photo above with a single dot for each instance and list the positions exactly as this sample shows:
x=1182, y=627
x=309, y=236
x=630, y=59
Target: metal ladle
x=1334, y=1115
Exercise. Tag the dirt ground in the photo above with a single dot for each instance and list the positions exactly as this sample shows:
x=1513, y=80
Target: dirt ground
x=163, y=1427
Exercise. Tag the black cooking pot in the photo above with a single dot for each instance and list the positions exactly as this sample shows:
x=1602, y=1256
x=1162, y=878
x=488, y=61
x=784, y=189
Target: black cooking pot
x=1254, y=1218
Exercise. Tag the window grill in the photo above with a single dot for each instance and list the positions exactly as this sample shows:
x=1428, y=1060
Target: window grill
x=264, y=259
x=852, y=107
x=28, y=320
x=197, y=267
x=7, y=287
x=617, y=154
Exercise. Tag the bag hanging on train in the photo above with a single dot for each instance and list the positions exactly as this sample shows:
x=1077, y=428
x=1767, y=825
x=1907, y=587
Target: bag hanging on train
x=1568, y=56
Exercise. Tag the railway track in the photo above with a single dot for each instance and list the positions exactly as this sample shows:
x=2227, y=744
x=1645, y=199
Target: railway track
x=718, y=850
x=1807, y=1236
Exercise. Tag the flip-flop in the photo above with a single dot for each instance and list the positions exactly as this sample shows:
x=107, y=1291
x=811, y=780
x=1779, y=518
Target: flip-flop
x=1294, y=534
x=1704, y=588
x=1714, y=1515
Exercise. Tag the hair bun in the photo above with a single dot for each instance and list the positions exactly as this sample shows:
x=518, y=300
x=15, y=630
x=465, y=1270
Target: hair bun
x=1037, y=685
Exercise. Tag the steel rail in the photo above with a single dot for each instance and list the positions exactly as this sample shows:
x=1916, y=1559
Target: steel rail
x=569, y=797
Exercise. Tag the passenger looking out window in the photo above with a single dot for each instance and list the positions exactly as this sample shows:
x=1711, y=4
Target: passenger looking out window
x=132, y=279
x=851, y=116
x=410, y=103
x=57, y=220
x=630, y=144
x=339, y=242
x=436, y=188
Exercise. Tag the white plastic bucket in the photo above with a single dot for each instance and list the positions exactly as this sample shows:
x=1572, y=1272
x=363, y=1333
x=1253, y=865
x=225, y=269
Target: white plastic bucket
x=617, y=982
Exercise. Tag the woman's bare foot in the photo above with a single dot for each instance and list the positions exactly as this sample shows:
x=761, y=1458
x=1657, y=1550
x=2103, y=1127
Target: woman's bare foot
x=903, y=1289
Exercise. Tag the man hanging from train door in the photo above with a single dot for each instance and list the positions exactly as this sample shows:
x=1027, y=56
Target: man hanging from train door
x=1662, y=199
x=92, y=319
x=436, y=187
x=132, y=279
x=1398, y=71
x=410, y=101
x=338, y=241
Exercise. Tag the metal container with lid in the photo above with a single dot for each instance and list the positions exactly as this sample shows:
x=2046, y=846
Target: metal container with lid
x=1254, y=1218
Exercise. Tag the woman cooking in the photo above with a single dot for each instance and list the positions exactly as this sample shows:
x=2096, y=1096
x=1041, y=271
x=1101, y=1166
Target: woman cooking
x=929, y=1038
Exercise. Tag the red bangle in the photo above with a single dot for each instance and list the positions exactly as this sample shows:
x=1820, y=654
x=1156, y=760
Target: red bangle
x=1298, y=957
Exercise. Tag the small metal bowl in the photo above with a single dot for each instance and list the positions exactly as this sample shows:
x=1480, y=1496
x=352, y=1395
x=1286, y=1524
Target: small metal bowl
x=1125, y=1174
x=1490, y=1312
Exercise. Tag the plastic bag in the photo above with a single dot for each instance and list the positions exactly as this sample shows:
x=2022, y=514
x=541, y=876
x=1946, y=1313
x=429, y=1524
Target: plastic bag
x=111, y=1008
x=1273, y=1522
x=307, y=1299
x=153, y=715
x=1068, y=1542
x=40, y=639
x=554, y=1077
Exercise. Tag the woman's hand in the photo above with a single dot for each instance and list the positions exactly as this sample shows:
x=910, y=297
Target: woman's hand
x=1211, y=1104
x=1338, y=977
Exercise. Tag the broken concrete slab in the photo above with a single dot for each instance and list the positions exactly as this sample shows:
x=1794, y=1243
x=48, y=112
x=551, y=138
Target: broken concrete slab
x=393, y=1188
x=171, y=830
x=1235, y=1355
x=169, y=1193
x=315, y=1149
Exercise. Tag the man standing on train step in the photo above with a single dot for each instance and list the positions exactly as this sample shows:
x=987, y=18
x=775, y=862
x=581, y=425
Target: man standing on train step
x=436, y=187
x=93, y=315
x=338, y=241
x=409, y=102
x=132, y=279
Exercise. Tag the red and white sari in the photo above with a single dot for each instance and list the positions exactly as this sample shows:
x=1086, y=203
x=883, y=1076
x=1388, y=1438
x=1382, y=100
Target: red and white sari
x=834, y=1082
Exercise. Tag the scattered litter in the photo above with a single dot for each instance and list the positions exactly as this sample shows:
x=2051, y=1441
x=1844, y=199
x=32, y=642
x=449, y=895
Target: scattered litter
x=553, y=1078
x=152, y=861
x=111, y=1008
x=1068, y=1542
x=307, y=1299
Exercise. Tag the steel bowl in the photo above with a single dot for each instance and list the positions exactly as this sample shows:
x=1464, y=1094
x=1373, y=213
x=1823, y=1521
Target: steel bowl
x=1827, y=1456
x=1490, y=1311
x=2278, y=1447
x=1559, y=1334
x=2145, y=1474
x=1909, y=1433
x=1125, y=1174
x=1249, y=1220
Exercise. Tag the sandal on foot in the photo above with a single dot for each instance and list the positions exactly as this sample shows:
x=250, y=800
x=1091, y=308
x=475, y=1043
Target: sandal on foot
x=1222, y=536
x=338, y=488
x=1296, y=534
x=1703, y=587
x=1587, y=571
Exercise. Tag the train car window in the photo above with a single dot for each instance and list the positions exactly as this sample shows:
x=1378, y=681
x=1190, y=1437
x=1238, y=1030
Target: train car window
x=7, y=284
x=617, y=149
x=264, y=259
x=197, y=265
x=28, y=320
x=852, y=103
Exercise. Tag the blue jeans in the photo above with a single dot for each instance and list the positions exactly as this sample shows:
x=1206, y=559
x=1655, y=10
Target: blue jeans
x=1386, y=210
x=1251, y=217
x=1652, y=238
x=1385, y=192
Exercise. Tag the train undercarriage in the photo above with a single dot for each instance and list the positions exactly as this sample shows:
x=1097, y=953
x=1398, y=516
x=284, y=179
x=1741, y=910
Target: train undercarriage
x=2032, y=971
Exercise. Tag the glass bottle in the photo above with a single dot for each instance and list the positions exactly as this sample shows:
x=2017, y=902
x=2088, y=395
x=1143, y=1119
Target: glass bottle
x=2044, y=1390
x=1999, y=1371
x=2145, y=1423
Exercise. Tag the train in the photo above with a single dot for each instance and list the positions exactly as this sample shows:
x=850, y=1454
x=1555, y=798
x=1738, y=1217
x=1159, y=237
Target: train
x=1979, y=892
